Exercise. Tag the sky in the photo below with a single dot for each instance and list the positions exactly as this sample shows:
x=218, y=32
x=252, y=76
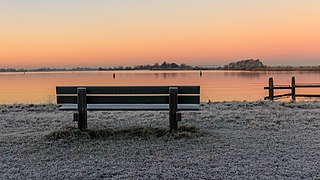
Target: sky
x=94, y=33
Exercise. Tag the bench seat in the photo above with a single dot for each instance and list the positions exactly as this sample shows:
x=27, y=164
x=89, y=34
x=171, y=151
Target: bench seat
x=128, y=98
x=130, y=107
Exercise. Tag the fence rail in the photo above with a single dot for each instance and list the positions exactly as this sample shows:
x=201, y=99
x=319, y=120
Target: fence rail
x=291, y=87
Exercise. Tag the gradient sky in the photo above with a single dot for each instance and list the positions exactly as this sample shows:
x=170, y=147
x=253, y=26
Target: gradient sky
x=69, y=33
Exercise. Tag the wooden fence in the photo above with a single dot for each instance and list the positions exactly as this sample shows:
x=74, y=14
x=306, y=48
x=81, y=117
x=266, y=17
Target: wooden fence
x=291, y=87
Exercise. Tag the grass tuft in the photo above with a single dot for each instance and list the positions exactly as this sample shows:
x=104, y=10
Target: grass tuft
x=71, y=133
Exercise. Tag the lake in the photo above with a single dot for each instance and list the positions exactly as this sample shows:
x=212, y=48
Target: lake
x=39, y=87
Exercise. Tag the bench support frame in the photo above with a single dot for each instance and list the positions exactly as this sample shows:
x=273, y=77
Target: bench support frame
x=82, y=109
x=173, y=108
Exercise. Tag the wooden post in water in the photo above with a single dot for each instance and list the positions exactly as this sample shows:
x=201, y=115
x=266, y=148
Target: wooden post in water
x=271, y=89
x=82, y=109
x=173, y=108
x=293, y=88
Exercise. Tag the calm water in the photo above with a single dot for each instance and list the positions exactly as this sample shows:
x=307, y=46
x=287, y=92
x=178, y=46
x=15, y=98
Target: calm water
x=215, y=85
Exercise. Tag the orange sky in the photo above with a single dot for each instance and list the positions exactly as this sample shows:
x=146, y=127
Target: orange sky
x=71, y=33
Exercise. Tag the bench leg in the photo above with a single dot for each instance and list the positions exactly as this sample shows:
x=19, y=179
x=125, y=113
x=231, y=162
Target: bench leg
x=179, y=118
x=173, y=108
x=82, y=109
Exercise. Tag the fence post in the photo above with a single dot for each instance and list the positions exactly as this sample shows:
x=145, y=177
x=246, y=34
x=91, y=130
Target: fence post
x=271, y=89
x=293, y=88
x=173, y=108
x=82, y=109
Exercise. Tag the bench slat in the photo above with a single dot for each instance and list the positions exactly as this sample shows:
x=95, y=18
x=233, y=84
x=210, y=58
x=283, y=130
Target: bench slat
x=129, y=99
x=130, y=107
x=128, y=89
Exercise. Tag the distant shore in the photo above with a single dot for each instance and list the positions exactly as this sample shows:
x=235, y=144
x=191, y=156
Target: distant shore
x=243, y=65
x=234, y=140
x=268, y=68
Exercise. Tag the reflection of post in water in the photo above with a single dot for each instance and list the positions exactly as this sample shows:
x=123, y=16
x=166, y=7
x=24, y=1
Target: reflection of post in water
x=114, y=75
x=164, y=75
x=169, y=75
x=200, y=73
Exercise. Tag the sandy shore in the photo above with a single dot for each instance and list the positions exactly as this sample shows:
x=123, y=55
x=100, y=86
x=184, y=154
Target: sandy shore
x=235, y=140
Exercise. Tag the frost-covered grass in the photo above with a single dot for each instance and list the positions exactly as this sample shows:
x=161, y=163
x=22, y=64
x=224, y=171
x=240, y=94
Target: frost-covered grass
x=226, y=140
x=70, y=133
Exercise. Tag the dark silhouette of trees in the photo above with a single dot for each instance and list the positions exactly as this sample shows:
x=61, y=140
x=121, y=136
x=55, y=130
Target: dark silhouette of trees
x=164, y=66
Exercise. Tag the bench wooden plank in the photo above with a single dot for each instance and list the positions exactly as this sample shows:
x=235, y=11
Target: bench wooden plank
x=128, y=89
x=129, y=99
x=130, y=107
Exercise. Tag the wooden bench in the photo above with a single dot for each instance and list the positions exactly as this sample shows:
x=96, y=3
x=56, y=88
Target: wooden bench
x=128, y=98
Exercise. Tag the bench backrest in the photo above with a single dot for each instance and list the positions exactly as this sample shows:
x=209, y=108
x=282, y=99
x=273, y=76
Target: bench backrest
x=128, y=94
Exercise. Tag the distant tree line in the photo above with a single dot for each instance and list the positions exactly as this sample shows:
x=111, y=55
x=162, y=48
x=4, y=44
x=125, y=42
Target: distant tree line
x=156, y=66
x=292, y=68
x=45, y=69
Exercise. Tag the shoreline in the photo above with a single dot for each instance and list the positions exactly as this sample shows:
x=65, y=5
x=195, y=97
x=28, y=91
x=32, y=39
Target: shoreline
x=267, y=69
x=238, y=140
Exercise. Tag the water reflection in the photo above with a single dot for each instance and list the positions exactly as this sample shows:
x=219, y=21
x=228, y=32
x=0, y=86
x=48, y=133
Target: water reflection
x=245, y=74
x=39, y=87
x=162, y=74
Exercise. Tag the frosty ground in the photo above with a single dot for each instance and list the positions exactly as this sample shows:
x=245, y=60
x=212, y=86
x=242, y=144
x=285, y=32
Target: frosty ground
x=229, y=140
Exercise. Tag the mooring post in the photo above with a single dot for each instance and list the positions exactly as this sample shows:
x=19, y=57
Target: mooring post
x=173, y=108
x=293, y=88
x=82, y=109
x=271, y=89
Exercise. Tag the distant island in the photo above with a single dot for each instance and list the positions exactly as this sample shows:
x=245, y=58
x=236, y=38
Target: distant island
x=243, y=65
x=257, y=65
x=248, y=64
